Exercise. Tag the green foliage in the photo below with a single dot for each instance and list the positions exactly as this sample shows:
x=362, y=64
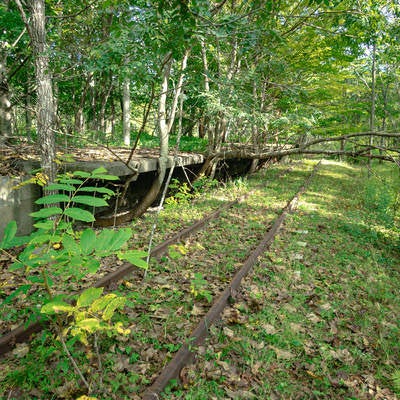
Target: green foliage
x=182, y=193
x=92, y=314
x=198, y=287
x=204, y=183
x=55, y=248
x=396, y=380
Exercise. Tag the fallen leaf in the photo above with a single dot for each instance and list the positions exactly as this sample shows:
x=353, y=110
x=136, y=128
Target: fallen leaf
x=342, y=355
x=297, y=327
x=297, y=275
x=240, y=394
x=255, y=368
x=313, y=318
x=149, y=354
x=225, y=366
x=326, y=306
x=197, y=310
x=228, y=332
x=21, y=350
x=269, y=329
x=282, y=354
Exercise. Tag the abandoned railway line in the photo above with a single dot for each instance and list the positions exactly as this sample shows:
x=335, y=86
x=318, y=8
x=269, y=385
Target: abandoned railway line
x=206, y=269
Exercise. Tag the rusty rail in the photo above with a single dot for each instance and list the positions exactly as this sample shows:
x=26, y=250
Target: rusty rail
x=23, y=333
x=185, y=355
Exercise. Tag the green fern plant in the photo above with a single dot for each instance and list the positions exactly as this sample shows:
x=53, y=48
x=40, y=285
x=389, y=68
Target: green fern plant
x=396, y=380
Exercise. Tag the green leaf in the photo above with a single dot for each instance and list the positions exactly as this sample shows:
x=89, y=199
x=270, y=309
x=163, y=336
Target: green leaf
x=9, y=238
x=21, y=289
x=92, y=265
x=16, y=265
x=71, y=181
x=103, y=239
x=81, y=174
x=111, y=241
x=135, y=257
x=88, y=296
x=40, y=239
x=100, y=189
x=102, y=302
x=9, y=234
x=75, y=260
x=79, y=214
x=101, y=173
x=89, y=324
x=90, y=201
x=117, y=302
x=120, y=238
x=46, y=225
x=46, y=212
x=60, y=186
x=55, y=307
x=100, y=170
x=70, y=245
x=35, y=279
x=88, y=241
x=53, y=198
x=107, y=177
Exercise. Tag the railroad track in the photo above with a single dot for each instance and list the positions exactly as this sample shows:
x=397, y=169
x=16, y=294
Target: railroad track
x=221, y=295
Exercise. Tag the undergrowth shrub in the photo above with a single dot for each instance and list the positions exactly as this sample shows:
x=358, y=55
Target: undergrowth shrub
x=56, y=252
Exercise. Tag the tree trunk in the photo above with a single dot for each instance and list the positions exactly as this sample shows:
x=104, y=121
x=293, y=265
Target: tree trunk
x=126, y=112
x=165, y=125
x=5, y=103
x=104, y=101
x=79, y=116
x=28, y=112
x=372, y=111
x=45, y=100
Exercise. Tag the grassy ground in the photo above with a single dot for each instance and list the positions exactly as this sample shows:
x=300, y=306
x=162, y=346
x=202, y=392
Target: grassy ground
x=320, y=313
x=318, y=317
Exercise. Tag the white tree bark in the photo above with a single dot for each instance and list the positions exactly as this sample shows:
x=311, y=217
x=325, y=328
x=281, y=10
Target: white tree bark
x=126, y=112
x=5, y=103
x=45, y=112
x=165, y=123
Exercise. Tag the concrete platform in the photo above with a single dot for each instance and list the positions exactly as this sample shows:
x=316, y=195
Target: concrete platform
x=140, y=163
x=17, y=204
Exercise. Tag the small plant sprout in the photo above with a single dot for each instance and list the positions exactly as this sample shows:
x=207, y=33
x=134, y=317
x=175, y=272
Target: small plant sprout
x=198, y=288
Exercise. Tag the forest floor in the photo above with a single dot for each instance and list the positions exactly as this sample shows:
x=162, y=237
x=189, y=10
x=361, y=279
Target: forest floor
x=317, y=318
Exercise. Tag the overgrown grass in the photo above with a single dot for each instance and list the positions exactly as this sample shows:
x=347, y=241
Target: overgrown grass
x=317, y=319
x=320, y=314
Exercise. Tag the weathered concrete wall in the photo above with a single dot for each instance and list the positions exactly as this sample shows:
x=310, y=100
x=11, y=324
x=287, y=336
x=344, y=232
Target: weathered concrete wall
x=17, y=204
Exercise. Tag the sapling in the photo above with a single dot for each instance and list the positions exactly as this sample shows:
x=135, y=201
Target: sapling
x=57, y=249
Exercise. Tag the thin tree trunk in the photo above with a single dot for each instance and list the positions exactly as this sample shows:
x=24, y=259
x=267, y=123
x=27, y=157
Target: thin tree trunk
x=372, y=112
x=79, y=117
x=384, y=117
x=5, y=103
x=28, y=112
x=126, y=112
x=102, y=116
x=165, y=126
x=45, y=99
